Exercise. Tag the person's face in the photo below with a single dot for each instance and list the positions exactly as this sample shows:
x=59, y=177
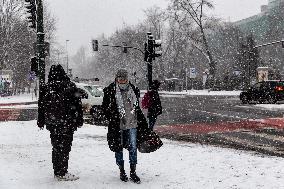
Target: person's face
x=122, y=80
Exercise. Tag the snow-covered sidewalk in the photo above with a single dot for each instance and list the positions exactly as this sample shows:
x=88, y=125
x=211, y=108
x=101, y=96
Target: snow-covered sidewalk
x=25, y=162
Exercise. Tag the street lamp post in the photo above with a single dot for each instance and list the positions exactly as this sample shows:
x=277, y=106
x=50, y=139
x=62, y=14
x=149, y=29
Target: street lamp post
x=67, y=57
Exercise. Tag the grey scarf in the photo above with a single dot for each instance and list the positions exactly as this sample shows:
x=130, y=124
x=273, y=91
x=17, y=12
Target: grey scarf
x=119, y=101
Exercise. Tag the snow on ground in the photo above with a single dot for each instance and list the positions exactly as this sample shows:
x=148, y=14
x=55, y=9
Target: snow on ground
x=268, y=107
x=272, y=107
x=213, y=93
x=18, y=99
x=30, y=106
x=26, y=163
x=199, y=92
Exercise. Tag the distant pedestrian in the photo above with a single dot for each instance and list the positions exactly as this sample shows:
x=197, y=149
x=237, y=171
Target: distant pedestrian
x=121, y=108
x=60, y=110
x=155, y=107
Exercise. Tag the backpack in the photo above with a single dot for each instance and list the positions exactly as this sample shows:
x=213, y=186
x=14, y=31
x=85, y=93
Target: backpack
x=55, y=105
x=146, y=100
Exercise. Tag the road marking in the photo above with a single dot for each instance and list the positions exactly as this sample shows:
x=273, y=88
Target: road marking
x=218, y=114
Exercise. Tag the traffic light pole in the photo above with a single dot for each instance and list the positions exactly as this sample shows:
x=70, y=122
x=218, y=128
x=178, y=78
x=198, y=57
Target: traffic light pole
x=150, y=48
x=40, y=46
x=150, y=72
x=128, y=47
x=272, y=43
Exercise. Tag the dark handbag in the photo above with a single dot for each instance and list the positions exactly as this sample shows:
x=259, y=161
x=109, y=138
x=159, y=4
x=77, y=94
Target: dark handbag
x=151, y=143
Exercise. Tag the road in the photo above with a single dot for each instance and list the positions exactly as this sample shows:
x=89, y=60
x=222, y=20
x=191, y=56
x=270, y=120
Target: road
x=218, y=120
x=222, y=121
x=209, y=109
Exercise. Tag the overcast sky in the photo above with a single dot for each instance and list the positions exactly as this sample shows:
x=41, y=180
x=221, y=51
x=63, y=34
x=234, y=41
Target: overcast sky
x=81, y=20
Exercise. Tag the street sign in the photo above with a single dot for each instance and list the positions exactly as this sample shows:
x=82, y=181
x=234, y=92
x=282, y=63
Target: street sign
x=32, y=75
x=192, y=73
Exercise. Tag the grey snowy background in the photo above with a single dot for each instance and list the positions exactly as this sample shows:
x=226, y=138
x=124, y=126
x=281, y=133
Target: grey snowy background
x=94, y=17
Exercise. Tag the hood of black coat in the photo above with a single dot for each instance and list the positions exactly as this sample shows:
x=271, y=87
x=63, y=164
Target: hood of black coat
x=57, y=74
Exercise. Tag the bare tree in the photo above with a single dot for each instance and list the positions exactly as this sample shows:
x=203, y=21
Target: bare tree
x=187, y=11
x=16, y=40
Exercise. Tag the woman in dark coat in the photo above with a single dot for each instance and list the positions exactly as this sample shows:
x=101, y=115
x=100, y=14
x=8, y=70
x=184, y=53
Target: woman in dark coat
x=60, y=110
x=122, y=132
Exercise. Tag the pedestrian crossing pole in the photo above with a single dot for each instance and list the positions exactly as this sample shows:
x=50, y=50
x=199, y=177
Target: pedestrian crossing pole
x=186, y=79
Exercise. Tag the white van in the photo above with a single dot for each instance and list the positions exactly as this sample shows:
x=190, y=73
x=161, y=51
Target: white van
x=92, y=105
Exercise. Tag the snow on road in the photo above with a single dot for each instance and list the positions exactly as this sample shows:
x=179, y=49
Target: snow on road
x=26, y=163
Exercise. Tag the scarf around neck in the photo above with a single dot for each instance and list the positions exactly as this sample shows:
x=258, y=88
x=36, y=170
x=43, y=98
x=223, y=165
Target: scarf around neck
x=119, y=101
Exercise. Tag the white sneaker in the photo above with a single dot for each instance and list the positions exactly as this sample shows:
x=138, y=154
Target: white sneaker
x=67, y=177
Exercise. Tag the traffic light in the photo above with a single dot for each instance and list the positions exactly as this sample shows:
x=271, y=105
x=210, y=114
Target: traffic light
x=34, y=65
x=156, y=44
x=31, y=9
x=95, y=45
x=150, y=48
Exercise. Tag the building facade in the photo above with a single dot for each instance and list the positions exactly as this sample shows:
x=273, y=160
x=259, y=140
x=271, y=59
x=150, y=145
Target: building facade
x=259, y=24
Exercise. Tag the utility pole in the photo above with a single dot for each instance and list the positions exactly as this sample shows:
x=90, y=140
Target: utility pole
x=40, y=46
x=186, y=79
x=150, y=59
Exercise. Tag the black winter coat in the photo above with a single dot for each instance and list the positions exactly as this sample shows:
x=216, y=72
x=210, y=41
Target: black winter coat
x=111, y=112
x=155, y=108
x=72, y=102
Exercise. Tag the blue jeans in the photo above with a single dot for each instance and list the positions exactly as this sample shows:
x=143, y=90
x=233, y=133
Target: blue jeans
x=128, y=138
x=152, y=121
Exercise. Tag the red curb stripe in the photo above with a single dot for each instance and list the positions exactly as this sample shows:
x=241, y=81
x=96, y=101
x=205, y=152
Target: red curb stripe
x=221, y=127
x=9, y=114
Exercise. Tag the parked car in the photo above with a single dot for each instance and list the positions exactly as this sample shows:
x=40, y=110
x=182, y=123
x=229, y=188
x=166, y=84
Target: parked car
x=270, y=91
x=92, y=104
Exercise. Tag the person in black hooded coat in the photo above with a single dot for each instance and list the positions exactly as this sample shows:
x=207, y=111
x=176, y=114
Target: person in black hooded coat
x=60, y=110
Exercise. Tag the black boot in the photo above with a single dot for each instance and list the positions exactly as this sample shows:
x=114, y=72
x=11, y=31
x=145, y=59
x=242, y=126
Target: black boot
x=133, y=175
x=123, y=175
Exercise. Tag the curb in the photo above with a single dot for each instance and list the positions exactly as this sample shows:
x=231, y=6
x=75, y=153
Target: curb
x=18, y=103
